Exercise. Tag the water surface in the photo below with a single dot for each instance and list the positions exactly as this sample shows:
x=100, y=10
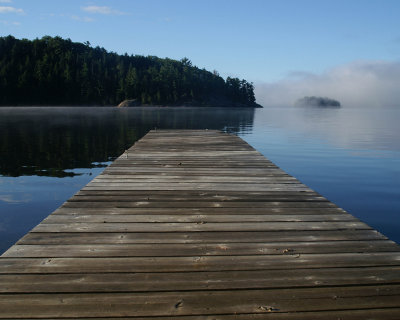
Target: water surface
x=351, y=156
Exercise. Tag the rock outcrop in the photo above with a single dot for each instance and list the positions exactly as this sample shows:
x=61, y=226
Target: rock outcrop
x=129, y=103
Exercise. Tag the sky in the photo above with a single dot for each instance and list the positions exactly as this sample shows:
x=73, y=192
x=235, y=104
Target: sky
x=310, y=46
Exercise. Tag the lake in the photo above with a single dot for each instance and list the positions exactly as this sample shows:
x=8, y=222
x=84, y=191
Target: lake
x=349, y=155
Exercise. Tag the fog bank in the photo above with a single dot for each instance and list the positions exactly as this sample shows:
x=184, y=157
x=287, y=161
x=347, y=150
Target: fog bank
x=357, y=84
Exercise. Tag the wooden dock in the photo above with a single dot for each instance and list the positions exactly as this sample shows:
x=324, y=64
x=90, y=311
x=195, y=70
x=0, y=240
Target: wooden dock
x=199, y=225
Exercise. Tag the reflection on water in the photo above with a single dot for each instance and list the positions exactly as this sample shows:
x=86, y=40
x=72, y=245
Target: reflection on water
x=47, y=141
x=365, y=129
x=38, y=146
x=351, y=156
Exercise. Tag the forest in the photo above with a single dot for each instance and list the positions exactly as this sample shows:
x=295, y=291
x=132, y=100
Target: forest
x=56, y=71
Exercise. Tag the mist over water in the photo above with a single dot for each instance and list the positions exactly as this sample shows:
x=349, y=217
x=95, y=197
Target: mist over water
x=349, y=155
x=48, y=154
x=361, y=84
x=371, y=130
x=46, y=141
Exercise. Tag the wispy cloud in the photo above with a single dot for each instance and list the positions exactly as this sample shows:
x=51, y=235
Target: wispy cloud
x=357, y=84
x=13, y=199
x=6, y=9
x=10, y=23
x=5, y=1
x=83, y=19
x=102, y=10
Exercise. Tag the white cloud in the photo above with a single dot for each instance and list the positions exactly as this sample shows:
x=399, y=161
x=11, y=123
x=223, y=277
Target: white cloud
x=4, y=9
x=16, y=198
x=357, y=84
x=102, y=10
x=83, y=19
x=5, y=1
x=10, y=23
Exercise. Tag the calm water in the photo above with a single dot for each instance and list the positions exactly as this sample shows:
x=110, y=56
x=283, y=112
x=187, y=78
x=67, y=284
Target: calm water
x=351, y=156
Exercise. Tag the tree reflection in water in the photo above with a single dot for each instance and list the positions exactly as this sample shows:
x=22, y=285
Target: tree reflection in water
x=48, y=141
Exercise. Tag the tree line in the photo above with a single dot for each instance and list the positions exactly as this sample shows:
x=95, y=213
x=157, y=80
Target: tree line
x=56, y=71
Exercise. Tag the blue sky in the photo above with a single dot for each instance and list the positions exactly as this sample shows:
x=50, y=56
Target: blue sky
x=263, y=41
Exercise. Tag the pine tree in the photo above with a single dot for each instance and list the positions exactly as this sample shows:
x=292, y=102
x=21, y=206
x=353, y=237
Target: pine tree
x=57, y=71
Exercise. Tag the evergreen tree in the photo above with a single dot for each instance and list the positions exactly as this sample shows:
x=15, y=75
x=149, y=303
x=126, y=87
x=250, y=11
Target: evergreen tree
x=56, y=71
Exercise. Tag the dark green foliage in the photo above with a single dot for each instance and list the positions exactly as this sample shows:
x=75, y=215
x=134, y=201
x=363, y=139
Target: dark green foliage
x=54, y=71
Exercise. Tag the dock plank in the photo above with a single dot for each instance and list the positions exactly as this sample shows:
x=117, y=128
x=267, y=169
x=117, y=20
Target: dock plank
x=197, y=224
x=199, y=302
x=194, y=281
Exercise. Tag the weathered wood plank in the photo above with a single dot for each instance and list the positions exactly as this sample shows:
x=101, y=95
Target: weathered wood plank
x=199, y=225
x=198, y=218
x=120, y=196
x=204, y=195
x=181, y=250
x=200, y=302
x=193, y=281
x=198, y=210
x=197, y=263
x=386, y=314
x=161, y=170
x=192, y=204
x=200, y=237
x=198, y=186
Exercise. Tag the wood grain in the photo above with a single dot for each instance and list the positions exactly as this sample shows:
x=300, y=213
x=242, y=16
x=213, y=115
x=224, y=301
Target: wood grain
x=197, y=224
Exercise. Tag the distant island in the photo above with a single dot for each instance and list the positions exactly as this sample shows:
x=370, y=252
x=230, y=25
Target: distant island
x=56, y=71
x=318, y=102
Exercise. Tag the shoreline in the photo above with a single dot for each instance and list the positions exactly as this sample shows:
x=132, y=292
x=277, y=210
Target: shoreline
x=139, y=106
